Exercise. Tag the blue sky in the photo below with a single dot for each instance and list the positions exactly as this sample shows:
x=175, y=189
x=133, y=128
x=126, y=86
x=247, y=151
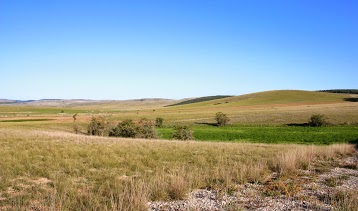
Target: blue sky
x=128, y=49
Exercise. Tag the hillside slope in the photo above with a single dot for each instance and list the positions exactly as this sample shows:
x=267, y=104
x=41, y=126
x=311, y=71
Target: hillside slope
x=276, y=97
x=200, y=99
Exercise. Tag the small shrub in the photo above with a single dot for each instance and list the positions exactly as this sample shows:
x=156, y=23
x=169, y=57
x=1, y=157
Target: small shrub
x=221, y=119
x=74, y=117
x=344, y=200
x=182, y=133
x=318, y=120
x=99, y=126
x=126, y=129
x=159, y=122
x=146, y=129
x=76, y=129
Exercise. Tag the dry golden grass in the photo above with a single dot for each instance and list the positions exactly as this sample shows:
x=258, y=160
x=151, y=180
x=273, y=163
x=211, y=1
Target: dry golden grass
x=336, y=113
x=272, y=107
x=63, y=171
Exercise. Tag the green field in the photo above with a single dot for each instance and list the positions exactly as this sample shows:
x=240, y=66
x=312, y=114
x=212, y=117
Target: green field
x=272, y=134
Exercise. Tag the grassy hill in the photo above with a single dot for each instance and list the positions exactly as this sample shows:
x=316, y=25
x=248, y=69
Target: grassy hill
x=200, y=99
x=277, y=97
x=270, y=107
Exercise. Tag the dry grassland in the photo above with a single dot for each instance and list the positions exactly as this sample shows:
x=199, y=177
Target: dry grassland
x=62, y=171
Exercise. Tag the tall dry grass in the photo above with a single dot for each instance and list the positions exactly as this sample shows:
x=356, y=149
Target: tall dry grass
x=302, y=157
x=64, y=171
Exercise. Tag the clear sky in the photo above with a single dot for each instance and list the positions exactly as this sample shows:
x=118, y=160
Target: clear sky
x=126, y=49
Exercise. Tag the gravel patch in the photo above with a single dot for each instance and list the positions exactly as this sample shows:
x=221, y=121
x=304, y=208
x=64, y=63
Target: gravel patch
x=313, y=193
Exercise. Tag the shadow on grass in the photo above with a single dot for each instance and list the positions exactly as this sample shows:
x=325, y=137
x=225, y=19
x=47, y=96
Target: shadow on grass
x=25, y=120
x=298, y=124
x=354, y=142
x=351, y=99
x=206, y=123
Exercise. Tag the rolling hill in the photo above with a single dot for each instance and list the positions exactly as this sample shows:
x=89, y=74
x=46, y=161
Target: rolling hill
x=200, y=99
x=275, y=98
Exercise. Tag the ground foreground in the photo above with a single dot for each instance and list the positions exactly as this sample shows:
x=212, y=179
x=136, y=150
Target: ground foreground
x=255, y=163
x=333, y=189
x=52, y=170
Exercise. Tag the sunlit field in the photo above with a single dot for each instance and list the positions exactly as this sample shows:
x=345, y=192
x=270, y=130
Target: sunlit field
x=47, y=165
x=64, y=171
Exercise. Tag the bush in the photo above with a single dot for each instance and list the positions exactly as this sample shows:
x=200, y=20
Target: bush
x=74, y=117
x=126, y=129
x=182, y=133
x=76, y=129
x=318, y=120
x=146, y=129
x=99, y=126
x=221, y=119
x=159, y=122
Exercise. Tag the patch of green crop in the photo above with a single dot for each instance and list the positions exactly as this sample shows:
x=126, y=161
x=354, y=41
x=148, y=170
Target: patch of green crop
x=272, y=134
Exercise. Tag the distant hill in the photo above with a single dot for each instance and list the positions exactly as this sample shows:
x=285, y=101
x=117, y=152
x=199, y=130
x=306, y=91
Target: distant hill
x=135, y=104
x=275, y=97
x=259, y=98
x=5, y=101
x=200, y=99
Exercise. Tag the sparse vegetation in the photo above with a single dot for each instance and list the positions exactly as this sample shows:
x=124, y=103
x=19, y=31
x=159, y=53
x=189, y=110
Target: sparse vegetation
x=99, y=126
x=76, y=129
x=221, y=119
x=146, y=129
x=345, y=200
x=318, y=120
x=126, y=129
x=182, y=133
x=87, y=172
x=159, y=122
x=74, y=117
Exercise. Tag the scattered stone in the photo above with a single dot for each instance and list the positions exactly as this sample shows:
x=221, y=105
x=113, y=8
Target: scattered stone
x=313, y=194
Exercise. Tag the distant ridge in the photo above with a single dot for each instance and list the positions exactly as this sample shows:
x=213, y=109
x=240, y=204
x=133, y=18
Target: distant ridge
x=149, y=99
x=5, y=101
x=200, y=99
